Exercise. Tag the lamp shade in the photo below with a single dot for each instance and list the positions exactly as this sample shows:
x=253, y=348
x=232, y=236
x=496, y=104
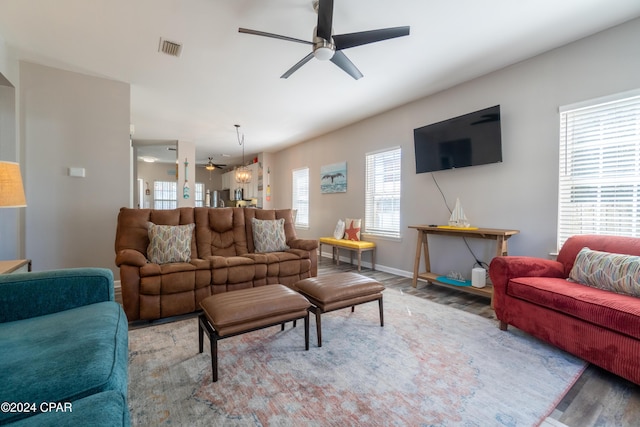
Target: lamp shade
x=11, y=189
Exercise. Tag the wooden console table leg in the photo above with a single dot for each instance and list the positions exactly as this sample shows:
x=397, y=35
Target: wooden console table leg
x=416, y=261
x=501, y=249
x=425, y=252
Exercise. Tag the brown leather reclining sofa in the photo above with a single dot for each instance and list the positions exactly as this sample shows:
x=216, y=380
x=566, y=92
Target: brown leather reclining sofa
x=223, y=258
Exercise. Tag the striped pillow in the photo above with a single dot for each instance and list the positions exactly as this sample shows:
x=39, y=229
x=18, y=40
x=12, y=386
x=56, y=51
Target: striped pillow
x=612, y=272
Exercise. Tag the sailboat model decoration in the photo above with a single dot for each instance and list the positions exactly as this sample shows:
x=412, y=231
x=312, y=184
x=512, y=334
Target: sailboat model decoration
x=458, y=218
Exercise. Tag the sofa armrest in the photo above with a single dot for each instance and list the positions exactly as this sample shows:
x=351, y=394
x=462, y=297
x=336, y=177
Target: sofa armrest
x=304, y=244
x=27, y=295
x=130, y=257
x=504, y=268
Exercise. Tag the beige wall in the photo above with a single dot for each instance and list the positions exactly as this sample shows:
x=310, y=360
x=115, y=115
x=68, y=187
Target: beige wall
x=520, y=193
x=69, y=119
x=12, y=219
x=73, y=120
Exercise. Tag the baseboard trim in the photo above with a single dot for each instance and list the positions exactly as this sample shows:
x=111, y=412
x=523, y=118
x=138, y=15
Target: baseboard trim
x=367, y=264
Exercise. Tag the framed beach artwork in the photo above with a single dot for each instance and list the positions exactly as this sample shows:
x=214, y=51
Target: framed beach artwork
x=333, y=178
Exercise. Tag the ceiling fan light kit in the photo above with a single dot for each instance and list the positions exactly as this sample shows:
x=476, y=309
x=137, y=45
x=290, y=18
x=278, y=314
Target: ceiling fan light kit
x=323, y=49
x=327, y=47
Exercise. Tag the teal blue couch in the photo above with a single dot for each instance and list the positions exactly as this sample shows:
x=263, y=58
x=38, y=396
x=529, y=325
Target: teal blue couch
x=63, y=350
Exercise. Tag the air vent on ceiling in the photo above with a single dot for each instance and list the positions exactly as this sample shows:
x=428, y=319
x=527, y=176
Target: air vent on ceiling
x=170, y=48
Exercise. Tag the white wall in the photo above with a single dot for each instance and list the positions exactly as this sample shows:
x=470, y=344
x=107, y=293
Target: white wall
x=520, y=193
x=11, y=219
x=73, y=120
x=11, y=223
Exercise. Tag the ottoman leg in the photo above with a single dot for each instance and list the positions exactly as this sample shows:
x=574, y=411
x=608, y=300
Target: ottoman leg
x=214, y=357
x=200, y=335
x=318, y=312
x=204, y=326
x=381, y=312
x=306, y=332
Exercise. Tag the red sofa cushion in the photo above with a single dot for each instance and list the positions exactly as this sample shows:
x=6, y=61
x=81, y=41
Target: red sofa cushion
x=620, y=313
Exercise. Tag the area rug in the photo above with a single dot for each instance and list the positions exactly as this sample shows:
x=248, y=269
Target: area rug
x=430, y=365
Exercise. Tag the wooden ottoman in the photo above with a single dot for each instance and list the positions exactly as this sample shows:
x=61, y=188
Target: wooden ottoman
x=237, y=312
x=339, y=290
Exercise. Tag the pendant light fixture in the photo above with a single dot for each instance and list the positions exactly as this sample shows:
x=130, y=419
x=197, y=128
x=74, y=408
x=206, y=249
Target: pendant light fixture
x=243, y=174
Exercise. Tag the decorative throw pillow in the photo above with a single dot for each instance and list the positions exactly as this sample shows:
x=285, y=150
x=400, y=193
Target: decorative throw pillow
x=352, y=230
x=338, y=233
x=268, y=235
x=609, y=271
x=169, y=243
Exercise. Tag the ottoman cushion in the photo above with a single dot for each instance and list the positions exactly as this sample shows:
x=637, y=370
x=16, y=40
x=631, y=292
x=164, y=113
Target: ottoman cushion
x=246, y=309
x=339, y=290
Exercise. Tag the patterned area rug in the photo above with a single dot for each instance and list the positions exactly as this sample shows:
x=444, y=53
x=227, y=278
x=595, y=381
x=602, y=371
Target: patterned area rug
x=429, y=365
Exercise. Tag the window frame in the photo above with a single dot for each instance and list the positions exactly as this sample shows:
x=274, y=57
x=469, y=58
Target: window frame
x=159, y=202
x=376, y=195
x=302, y=211
x=599, y=167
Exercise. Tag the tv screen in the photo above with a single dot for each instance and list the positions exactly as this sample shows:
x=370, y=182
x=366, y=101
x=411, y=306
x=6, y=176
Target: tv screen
x=469, y=140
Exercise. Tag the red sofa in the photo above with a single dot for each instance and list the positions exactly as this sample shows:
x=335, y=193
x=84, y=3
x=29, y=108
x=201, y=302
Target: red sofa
x=599, y=326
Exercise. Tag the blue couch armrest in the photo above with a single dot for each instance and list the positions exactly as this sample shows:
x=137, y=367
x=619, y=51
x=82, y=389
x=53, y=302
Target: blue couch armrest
x=27, y=295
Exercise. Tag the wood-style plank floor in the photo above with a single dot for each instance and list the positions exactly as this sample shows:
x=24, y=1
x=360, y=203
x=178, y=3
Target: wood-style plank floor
x=598, y=398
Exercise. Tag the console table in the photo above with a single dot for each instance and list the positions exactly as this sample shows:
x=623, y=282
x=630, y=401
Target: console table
x=499, y=235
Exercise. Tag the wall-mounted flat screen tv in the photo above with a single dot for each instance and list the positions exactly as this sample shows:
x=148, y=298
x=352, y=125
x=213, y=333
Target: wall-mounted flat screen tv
x=468, y=140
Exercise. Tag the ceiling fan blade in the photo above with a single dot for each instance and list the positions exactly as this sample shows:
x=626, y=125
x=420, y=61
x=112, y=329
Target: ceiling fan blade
x=345, y=41
x=325, y=19
x=273, y=36
x=341, y=60
x=297, y=66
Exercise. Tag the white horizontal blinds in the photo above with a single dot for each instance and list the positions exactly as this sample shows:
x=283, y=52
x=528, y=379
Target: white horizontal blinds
x=199, y=193
x=300, y=202
x=599, y=182
x=382, y=193
x=165, y=195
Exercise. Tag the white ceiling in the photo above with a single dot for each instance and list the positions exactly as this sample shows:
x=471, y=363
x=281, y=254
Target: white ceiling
x=223, y=77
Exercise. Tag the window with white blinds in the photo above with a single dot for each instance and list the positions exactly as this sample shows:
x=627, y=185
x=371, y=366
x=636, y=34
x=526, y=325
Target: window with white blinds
x=300, y=202
x=199, y=194
x=599, y=180
x=382, y=193
x=165, y=195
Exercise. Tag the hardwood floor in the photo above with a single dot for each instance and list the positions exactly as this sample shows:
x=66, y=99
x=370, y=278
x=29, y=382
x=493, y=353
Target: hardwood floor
x=598, y=398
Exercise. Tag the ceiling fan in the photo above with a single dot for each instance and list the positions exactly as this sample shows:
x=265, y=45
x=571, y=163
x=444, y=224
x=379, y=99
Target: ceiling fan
x=211, y=166
x=327, y=46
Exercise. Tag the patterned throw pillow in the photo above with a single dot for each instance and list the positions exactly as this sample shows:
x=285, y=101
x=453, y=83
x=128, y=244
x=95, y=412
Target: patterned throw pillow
x=268, y=235
x=612, y=272
x=169, y=243
x=352, y=230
